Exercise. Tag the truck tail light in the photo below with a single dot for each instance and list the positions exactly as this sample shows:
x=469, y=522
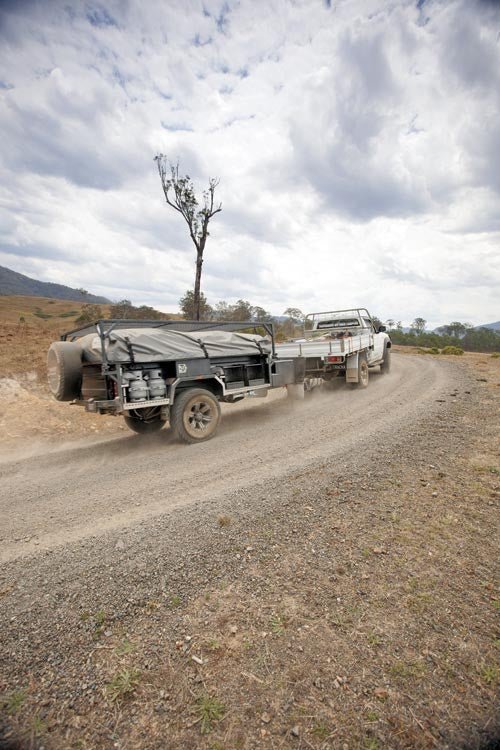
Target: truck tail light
x=331, y=358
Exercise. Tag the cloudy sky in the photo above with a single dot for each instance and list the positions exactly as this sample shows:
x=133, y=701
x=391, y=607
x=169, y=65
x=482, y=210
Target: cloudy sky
x=357, y=144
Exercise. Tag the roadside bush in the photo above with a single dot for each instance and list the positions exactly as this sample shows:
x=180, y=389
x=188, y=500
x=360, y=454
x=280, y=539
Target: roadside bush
x=475, y=340
x=495, y=355
x=452, y=350
x=89, y=313
x=432, y=350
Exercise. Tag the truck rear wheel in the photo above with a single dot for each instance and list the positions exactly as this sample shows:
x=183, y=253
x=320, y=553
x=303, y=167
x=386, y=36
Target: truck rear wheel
x=64, y=370
x=195, y=415
x=386, y=362
x=363, y=372
x=144, y=421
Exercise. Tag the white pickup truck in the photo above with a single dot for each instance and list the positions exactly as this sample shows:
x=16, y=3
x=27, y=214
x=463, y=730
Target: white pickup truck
x=340, y=344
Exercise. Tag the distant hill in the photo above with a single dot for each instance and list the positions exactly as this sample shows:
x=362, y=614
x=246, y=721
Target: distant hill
x=13, y=283
x=493, y=326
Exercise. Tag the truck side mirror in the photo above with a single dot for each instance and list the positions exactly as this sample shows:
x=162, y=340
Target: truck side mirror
x=382, y=329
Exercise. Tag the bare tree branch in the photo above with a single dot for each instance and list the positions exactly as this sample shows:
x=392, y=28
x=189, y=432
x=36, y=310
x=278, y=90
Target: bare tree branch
x=179, y=195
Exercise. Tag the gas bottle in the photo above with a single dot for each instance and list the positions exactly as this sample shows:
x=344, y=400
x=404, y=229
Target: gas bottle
x=138, y=388
x=157, y=385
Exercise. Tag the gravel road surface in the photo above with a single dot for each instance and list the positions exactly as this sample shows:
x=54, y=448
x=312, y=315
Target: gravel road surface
x=74, y=493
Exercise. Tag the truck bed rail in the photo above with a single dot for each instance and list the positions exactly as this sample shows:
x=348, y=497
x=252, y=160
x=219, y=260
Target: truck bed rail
x=324, y=347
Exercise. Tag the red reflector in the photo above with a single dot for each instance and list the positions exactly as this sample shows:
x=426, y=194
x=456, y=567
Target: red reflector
x=333, y=359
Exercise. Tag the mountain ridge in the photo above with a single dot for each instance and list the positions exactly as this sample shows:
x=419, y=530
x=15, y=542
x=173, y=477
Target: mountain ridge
x=17, y=284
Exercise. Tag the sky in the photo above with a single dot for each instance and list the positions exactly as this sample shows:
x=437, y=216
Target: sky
x=357, y=144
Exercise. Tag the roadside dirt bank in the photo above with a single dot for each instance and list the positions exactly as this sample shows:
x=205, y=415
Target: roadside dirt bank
x=338, y=594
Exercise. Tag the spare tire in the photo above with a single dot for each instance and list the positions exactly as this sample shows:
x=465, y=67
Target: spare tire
x=64, y=370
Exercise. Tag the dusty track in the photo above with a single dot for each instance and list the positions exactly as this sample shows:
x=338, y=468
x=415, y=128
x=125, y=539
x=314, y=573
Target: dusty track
x=73, y=493
x=325, y=570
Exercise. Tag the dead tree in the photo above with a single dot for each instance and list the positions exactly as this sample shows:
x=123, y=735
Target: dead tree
x=179, y=194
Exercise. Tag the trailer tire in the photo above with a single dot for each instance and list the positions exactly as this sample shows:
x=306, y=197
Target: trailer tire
x=142, y=424
x=64, y=370
x=386, y=362
x=195, y=415
x=363, y=372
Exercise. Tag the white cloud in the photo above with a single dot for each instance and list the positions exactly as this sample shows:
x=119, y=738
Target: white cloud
x=357, y=147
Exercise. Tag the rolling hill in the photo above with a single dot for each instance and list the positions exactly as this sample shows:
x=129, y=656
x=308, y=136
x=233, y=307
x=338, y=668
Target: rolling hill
x=13, y=283
x=494, y=326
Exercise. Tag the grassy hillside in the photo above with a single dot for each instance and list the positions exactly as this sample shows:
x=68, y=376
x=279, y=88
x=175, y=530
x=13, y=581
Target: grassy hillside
x=30, y=324
x=53, y=314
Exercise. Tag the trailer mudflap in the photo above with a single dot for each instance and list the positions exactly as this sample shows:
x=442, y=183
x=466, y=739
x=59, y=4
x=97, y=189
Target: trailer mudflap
x=351, y=373
x=288, y=371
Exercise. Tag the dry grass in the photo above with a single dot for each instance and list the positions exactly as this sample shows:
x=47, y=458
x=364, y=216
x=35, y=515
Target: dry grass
x=29, y=325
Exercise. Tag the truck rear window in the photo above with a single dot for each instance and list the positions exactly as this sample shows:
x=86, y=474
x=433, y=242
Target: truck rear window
x=339, y=323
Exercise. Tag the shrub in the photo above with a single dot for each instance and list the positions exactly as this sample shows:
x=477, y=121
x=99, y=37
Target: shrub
x=452, y=350
x=89, y=314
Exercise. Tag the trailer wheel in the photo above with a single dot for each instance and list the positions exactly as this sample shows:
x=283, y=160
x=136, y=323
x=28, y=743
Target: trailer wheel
x=386, y=363
x=144, y=421
x=64, y=370
x=363, y=372
x=195, y=415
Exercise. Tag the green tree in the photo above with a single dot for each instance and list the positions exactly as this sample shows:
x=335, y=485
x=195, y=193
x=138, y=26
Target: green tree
x=89, y=313
x=145, y=312
x=295, y=315
x=418, y=325
x=179, y=194
x=481, y=340
x=222, y=311
x=122, y=310
x=189, y=307
x=292, y=326
x=241, y=310
x=455, y=329
x=260, y=315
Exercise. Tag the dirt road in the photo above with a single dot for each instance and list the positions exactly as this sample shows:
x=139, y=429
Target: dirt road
x=76, y=492
x=319, y=575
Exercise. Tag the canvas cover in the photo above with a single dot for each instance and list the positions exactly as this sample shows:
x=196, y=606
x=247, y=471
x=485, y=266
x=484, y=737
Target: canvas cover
x=160, y=345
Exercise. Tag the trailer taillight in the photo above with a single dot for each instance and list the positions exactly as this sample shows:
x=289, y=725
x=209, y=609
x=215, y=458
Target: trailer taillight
x=331, y=358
